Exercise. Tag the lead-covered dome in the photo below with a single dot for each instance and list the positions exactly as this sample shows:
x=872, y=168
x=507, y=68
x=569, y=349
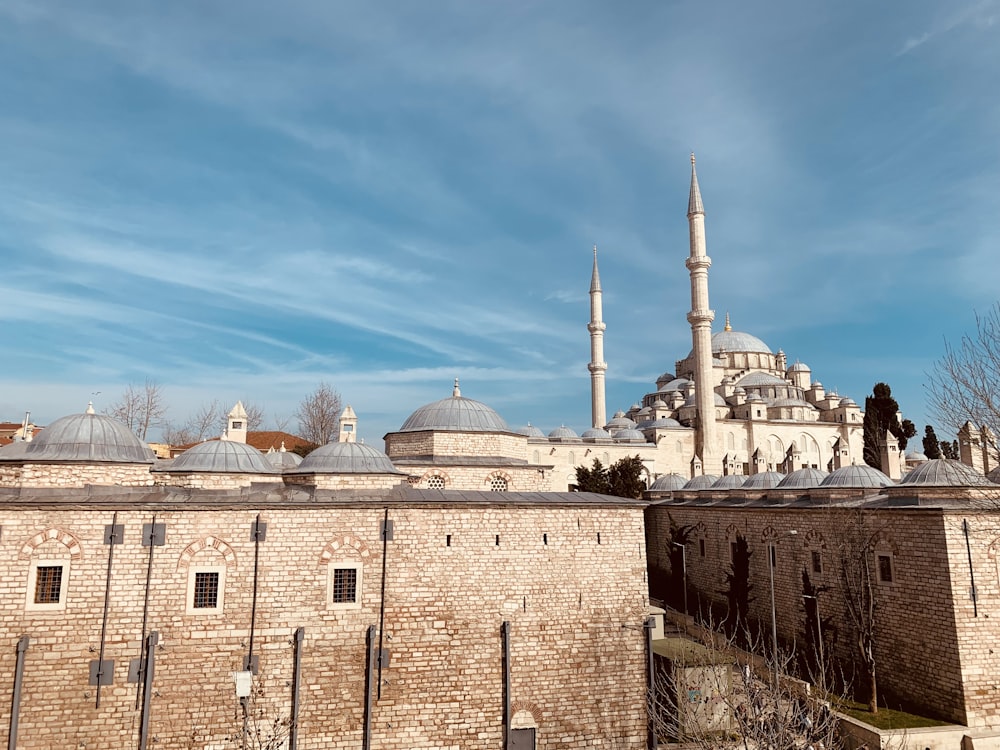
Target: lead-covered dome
x=860, y=475
x=563, y=433
x=944, y=472
x=88, y=437
x=668, y=483
x=283, y=459
x=345, y=458
x=738, y=341
x=766, y=480
x=729, y=482
x=701, y=482
x=221, y=456
x=458, y=414
x=803, y=479
x=529, y=430
x=596, y=433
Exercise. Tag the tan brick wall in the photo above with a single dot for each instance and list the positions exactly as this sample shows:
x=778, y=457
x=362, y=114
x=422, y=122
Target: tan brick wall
x=518, y=478
x=447, y=443
x=575, y=608
x=80, y=475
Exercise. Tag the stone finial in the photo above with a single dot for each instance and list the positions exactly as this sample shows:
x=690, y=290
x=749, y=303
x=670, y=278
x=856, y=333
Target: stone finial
x=456, y=392
x=282, y=448
x=90, y=407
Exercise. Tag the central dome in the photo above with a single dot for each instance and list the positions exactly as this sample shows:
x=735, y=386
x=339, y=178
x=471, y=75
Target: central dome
x=737, y=341
x=458, y=414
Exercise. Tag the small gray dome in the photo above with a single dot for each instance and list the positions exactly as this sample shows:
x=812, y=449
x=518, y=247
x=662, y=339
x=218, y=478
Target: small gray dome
x=763, y=481
x=664, y=378
x=530, y=430
x=856, y=476
x=644, y=411
x=563, y=433
x=346, y=458
x=944, y=472
x=757, y=379
x=659, y=404
x=456, y=413
x=283, y=459
x=669, y=483
x=917, y=456
x=596, y=433
x=692, y=400
x=221, y=456
x=662, y=422
x=629, y=435
x=88, y=437
x=701, y=482
x=729, y=482
x=803, y=479
x=848, y=402
x=619, y=422
x=799, y=367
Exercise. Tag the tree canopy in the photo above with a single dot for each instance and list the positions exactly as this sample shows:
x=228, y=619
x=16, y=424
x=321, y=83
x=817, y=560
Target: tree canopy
x=623, y=478
x=932, y=447
x=882, y=416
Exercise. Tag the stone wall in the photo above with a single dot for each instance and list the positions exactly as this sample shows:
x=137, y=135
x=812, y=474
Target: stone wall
x=453, y=443
x=73, y=475
x=481, y=477
x=569, y=580
x=920, y=644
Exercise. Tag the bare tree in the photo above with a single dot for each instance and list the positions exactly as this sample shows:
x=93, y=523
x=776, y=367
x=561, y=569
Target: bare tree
x=140, y=408
x=318, y=414
x=964, y=385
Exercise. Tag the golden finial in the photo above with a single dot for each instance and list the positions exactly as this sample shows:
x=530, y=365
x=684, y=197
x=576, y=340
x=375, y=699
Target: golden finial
x=728, y=327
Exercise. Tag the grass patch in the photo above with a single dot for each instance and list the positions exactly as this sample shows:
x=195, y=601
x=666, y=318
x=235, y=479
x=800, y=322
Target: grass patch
x=886, y=718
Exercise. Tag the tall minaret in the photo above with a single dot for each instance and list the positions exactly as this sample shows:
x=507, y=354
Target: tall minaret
x=701, y=318
x=597, y=364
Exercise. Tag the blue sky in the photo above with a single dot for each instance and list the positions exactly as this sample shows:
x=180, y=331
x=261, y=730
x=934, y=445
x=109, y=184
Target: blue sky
x=243, y=199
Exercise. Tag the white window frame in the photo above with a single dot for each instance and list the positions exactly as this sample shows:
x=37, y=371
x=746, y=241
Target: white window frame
x=336, y=565
x=29, y=601
x=193, y=570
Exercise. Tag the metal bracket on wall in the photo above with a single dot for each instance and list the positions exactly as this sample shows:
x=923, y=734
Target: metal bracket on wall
x=258, y=531
x=385, y=529
x=114, y=533
x=102, y=672
x=154, y=534
x=251, y=664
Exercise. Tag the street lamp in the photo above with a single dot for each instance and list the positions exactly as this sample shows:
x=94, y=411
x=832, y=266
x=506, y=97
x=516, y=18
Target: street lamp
x=684, y=572
x=772, y=559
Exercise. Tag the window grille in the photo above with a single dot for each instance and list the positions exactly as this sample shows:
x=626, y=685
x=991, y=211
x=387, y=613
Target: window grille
x=345, y=585
x=435, y=483
x=498, y=484
x=48, y=584
x=206, y=590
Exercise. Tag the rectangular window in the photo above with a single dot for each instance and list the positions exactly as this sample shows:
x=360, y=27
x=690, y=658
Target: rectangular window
x=344, y=585
x=817, y=561
x=48, y=584
x=772, y=553
x=885, y=568
x=701, y=547
x=732, y=551
x=206, y=590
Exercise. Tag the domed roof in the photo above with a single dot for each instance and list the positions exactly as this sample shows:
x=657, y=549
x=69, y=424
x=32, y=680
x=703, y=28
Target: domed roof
x=676, y=384
x=763, y=481
x=283, y=459
x=620, y=422
x=848, y=402
x=701, y=482
x=659, y=404
x=562, y=432
x=738, y=341
x=530, y=430
x=944, y=472
x=729, y=482
x=225, y=456
x=917, y=456
x=803, y=479
x=860, y=475
x=596, y=433
x=458, y=414
x=628, y=435
x=668, y=483
x=759, y=378
x=799, y=367
x=692, y=400
x=346, y=458
x=644, y=411
x=662, y=422
x=664, y=378
x=13, y=451
x=88, y=437
x=789, y=402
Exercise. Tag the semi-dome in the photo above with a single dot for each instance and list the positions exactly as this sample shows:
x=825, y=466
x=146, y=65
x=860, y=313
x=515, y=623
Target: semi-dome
x=629, y=435
x=88, y=437
x=758, y=378
x=729, y=482
x=692, y=400
x=944, y=472
x=856, y=475
x=677, y=384
x=457, y=414
x=531, y=431
x=282, y=459
x=792, y=402
x=668, y=483
x=661, y=423
x=596, y=433
x=345, y=458
x=701, y=482
x=619, y=422
x=562, y=433
x=221, y=456
x=803, y=479
x=764, y=481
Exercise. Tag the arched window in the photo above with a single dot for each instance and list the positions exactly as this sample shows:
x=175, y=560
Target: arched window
x=435, y=482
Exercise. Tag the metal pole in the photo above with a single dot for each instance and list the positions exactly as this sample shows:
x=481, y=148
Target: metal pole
x=15, y=700
x=972, y=573
x=381, y=600
x=771, y=555
x=293, y=731
x=684, y=570
x=107, y=598
x=649, y=624
x=366, y=739
x=505, y=655
x=819, y=636
x=147, y=687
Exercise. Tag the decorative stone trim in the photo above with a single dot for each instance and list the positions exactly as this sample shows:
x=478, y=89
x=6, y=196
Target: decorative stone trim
x=422, y=482
x=209, y=542
x=815, y=539
x=65, y=538
x=517, y=707
x=348, y=544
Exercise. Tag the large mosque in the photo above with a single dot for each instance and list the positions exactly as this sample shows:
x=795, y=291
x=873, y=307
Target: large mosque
x=730, y=408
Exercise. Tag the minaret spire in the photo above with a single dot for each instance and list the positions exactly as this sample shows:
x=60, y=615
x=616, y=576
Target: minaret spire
x=700, y=318
x=597, y=364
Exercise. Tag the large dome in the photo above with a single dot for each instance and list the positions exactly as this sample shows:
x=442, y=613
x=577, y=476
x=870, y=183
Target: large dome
x=860, y=475
x=945, y=472
x=763, y=481
x=221, y=456
x=803, y=479
x=345, y=458
x=737, y=341
x=88, y=437
x=457, y=414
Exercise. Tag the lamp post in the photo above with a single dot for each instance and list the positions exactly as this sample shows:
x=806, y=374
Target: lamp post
x=772, y=560
x=819, y=637
x=684, y=572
